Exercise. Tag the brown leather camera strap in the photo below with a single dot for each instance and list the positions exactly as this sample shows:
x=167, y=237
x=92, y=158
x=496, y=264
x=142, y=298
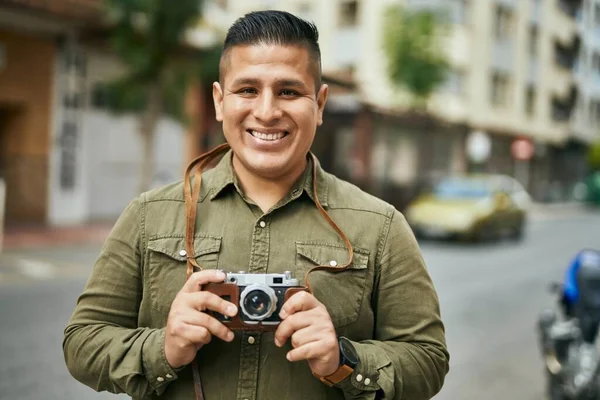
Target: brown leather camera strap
x=191, y=203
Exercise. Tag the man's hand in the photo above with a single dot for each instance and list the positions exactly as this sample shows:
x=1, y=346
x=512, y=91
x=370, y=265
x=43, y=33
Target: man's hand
x=188, y=326
x=308, y=323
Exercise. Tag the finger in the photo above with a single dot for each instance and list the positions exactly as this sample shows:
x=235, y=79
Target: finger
x=305, y=336
x=203, y=301
x=195, y=334
x=213, y=325
x=293, y=323
x=301, y=301
x=309, y=351
x=197, y=279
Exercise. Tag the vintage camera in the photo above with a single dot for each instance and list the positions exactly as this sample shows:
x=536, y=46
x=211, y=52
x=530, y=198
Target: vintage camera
x=259, y=298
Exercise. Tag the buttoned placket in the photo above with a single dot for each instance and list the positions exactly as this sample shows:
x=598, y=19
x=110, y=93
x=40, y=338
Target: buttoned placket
x=250, y=352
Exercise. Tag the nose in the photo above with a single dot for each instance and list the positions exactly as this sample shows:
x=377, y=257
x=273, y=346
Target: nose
x=267, y=108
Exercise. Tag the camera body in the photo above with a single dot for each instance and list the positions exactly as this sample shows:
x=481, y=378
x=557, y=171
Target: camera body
x=259, y=298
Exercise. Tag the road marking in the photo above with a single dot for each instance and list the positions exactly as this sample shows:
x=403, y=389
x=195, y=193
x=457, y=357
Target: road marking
x=36, y=269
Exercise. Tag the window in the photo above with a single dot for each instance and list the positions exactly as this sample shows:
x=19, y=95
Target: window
x=530, y=96
x=533, y=40
x=348, y=13
x=454, y=82
x=503, y=22
x=500, y=89
x=460, y=12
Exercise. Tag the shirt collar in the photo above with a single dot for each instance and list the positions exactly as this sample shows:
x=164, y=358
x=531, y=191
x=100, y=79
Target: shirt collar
x=223, y=176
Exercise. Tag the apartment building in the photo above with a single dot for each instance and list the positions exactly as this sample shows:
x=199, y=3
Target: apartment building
x=512, y=78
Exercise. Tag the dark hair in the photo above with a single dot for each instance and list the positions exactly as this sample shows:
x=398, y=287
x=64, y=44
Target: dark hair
x=275, y=27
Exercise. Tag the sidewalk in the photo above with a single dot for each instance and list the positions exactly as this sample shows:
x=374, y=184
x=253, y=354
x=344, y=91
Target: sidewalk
x=35, y=237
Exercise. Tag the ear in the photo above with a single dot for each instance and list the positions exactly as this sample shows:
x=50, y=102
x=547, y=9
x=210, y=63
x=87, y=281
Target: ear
x=321, y=100
x=218, y=100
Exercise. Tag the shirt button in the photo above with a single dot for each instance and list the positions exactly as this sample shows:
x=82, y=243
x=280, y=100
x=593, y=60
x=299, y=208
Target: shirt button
x=169, y=376
x=182, y=253
x=251, y=340
x=333, y=263
x=367, y=381
x=160, y=379
x=262, y=224
x=359, y=378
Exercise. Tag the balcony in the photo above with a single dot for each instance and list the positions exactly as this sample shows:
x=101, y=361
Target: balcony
x=563, y=107
x=567, y=55
x=564, y=25
x=570, y=7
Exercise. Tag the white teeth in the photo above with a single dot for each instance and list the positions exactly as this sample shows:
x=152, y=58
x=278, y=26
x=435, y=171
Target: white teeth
x=269, y=136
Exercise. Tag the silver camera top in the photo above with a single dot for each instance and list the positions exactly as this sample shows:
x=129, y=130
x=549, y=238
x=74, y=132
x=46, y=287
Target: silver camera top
x=243, y=279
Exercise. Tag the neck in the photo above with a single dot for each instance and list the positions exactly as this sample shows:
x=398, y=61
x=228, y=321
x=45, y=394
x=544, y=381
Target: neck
x=265, y=191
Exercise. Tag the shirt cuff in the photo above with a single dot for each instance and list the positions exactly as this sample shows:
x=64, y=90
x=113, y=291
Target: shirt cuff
x=156, y=367
x=364, y=381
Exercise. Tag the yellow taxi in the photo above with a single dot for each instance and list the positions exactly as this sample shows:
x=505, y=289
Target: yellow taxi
x=477, y=207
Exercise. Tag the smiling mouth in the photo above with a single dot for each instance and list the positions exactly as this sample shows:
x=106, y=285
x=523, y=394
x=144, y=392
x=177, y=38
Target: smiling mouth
x=269, y=137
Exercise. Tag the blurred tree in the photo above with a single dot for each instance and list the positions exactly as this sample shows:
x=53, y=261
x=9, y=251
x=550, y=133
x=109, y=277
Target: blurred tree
x=416, y=61
x=148, y=36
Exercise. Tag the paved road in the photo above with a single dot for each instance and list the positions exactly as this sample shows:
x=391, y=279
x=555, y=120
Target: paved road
x=490, y=297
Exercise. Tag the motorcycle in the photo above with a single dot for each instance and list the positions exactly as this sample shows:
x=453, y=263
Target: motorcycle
x=567, y=333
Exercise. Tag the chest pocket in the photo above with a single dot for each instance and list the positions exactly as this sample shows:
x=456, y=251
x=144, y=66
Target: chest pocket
x=167, y=266
x=341, y=292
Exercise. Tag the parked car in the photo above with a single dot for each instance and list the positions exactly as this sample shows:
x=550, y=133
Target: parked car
x=476, y=207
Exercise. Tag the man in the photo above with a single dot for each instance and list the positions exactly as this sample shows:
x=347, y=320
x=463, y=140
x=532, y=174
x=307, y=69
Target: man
x=370, y=331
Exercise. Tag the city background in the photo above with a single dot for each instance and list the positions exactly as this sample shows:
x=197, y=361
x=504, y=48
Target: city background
x=420, y=90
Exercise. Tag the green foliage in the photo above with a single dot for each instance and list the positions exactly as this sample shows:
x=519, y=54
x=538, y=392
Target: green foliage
x=594, y=156
x=146, y=32
x=147, y=35
x=415, y=59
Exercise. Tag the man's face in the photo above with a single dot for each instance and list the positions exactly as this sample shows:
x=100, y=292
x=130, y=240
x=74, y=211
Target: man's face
x=270, y=108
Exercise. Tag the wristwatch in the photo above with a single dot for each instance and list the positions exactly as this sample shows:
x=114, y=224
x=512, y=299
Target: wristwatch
x=348, y=362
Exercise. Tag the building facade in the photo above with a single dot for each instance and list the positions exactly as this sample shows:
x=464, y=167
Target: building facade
x=515, y=76
x=63, y=157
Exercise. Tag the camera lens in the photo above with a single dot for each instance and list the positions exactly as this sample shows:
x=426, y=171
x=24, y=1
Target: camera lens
x=258, y=302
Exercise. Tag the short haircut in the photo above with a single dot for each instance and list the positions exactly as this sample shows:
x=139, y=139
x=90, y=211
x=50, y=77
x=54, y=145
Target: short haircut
x=274, y=27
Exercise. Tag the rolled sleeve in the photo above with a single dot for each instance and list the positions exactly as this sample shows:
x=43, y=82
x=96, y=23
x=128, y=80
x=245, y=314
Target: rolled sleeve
x=369, y=376
x=156, y=367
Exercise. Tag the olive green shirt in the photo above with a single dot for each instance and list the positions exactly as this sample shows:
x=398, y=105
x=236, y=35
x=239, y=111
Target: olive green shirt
x=385, y=302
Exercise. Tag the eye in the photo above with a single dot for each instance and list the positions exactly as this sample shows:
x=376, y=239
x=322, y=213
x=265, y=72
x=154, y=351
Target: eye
x=247, y=91
x=288, y=93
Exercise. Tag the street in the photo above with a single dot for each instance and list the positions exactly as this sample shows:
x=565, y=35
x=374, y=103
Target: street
x=490, y=298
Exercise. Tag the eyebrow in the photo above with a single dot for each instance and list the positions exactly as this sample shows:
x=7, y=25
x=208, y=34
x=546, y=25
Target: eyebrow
x=279, y=82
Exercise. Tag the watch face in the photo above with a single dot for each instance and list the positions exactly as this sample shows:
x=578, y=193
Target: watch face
x=348, y=351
